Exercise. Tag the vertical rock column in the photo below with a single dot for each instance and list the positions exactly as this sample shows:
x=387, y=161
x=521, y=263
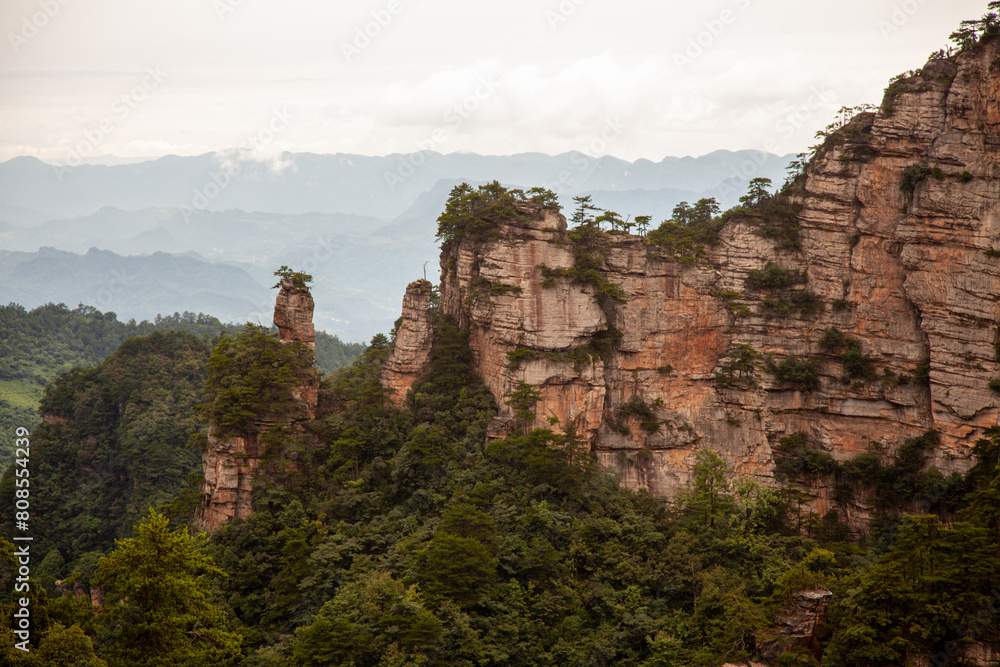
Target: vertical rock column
x=293, y=315
x=231, y=464
x=414, y=337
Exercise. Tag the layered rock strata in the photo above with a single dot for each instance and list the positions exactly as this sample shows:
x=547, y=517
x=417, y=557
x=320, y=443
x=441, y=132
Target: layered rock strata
x=413, y=342
x=895, y=243
x=293, y=314
x=796, y=624
x=231, y=463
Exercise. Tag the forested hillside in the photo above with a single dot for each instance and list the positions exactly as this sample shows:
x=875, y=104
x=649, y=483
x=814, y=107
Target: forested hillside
x=405, y=538
x=115, y=444
x=38, y=345
x=395, y=531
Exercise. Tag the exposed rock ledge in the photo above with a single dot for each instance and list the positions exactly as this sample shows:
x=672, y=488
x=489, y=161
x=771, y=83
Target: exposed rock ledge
x=907, y=274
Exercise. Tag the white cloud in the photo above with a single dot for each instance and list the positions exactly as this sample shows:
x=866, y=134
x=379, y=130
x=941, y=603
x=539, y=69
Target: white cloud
x=555, y=91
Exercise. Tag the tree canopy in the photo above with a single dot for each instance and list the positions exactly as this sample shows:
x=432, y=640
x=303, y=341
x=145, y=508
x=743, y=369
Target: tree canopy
x=157, y=590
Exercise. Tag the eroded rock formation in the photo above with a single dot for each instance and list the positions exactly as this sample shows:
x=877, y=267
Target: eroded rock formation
x=894, y=243
x=797, y=624
x=231, y=463
x=413, y=341
x=293, y=314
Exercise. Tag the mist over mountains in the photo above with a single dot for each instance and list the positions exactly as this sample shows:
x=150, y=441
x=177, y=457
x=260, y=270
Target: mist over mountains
x=206, y=232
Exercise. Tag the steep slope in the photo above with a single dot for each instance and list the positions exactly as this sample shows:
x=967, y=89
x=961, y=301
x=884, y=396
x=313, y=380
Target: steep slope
x=810, y=323
x=262, y=391
x=112, y=445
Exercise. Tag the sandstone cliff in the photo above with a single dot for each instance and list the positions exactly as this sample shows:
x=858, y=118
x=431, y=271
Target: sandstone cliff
x=797, y=625
x=893, y=244
x=413, y=341
x=293, y=314
x=231, y=463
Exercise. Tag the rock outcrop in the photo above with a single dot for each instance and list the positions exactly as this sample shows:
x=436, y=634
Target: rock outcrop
x=293, y=314
x=894, y=242
x=232, y=463
x=413, y=341
x=229, y=467
x=796, y=625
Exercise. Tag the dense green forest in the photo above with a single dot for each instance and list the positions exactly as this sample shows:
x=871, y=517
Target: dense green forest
x=402, y=536
x=37, y=346
x=408, y=539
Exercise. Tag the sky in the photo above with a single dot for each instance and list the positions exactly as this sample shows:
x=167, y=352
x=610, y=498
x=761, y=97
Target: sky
x=81, y=79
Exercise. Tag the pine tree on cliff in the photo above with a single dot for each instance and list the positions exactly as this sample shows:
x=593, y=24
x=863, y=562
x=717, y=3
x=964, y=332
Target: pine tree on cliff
x=581, y=215
x=477, y=213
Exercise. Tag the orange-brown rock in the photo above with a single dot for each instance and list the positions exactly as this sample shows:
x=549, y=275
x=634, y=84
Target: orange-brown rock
x=231, y=464
x=796, y=624
x=413, y=342
x=898, y=225
x=293, y=314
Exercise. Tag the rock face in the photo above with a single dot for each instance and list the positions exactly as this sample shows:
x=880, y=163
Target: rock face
x=229, y=467
x=293, y=314
x=413, y=341
x=796, y=625
x=981, y=655
x=898, y=237
x=231, y=463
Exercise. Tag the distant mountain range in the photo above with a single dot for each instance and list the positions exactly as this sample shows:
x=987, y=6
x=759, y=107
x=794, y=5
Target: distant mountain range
x=132, y=287
x=206, y=232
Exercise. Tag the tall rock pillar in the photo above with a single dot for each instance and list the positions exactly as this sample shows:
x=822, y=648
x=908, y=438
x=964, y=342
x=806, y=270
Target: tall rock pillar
x=293, y=315
x=231, y=463
x=414, y=337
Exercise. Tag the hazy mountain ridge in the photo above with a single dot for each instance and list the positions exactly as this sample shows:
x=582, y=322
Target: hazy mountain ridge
x=126, y=285
x=382, y=187
x=363, y=230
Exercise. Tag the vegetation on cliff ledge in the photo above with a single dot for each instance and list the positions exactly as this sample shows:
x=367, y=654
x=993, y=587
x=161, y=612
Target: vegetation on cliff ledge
x=250, y=380
x=298, y=278
x=478, y=212
x=36, y=346
x=409, y=539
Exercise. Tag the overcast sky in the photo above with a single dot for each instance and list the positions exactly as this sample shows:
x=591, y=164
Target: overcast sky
x=630, y=78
